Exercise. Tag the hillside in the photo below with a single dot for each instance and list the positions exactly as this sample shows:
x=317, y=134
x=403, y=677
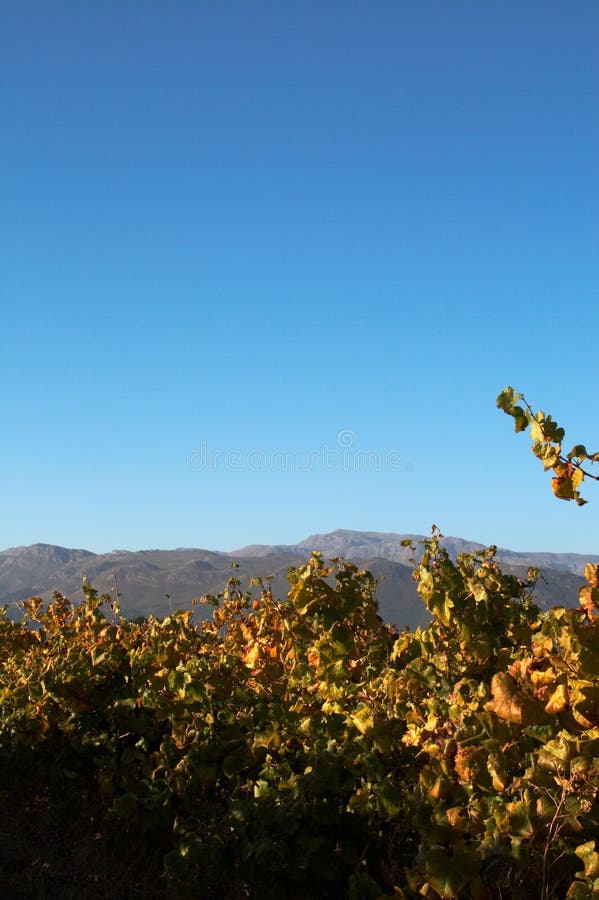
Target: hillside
x=157, y=581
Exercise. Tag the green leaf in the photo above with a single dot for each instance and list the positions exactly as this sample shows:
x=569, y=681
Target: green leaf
x=390, y=799
x=506, y=400
x=521, y=419
x=236, y=762
x=580, y=890
x=519, y=819
x=579, y=451
x=448, y=875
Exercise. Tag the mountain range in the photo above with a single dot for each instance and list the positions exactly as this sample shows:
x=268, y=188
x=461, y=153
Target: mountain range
x=153, y=582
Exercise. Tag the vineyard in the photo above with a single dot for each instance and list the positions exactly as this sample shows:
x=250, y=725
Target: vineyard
x=305, y=749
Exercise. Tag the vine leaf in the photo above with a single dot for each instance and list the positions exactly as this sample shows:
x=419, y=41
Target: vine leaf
x=547, y=437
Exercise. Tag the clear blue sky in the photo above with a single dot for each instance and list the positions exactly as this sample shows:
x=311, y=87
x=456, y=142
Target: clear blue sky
x=319, y=228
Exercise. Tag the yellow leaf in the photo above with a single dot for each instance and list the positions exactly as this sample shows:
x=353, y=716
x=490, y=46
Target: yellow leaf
x=250, y=658
x=558, y=700
x=543, y=677
x=591, y=573
x=590, y=857
x=588, y=597
x=363, y=719
x=536, y=428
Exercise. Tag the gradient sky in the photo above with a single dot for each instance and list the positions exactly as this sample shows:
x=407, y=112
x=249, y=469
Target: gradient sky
x=266, y=267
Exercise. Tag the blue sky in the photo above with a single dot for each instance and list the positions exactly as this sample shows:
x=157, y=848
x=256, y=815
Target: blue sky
x=238, y=237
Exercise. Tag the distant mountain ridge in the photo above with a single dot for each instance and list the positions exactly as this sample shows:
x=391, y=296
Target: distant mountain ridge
x=155, y=581
x=388, y=545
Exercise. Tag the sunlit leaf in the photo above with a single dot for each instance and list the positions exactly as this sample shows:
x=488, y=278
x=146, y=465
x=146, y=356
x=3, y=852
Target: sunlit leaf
x=558, y=700
x=590, y=858
x=510, y=703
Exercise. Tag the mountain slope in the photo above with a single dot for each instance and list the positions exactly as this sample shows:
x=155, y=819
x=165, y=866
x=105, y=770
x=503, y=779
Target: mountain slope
x=156, y=581
x=388, y=545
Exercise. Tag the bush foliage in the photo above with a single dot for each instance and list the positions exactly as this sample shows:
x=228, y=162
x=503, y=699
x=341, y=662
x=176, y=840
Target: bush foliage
x=305, y=749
